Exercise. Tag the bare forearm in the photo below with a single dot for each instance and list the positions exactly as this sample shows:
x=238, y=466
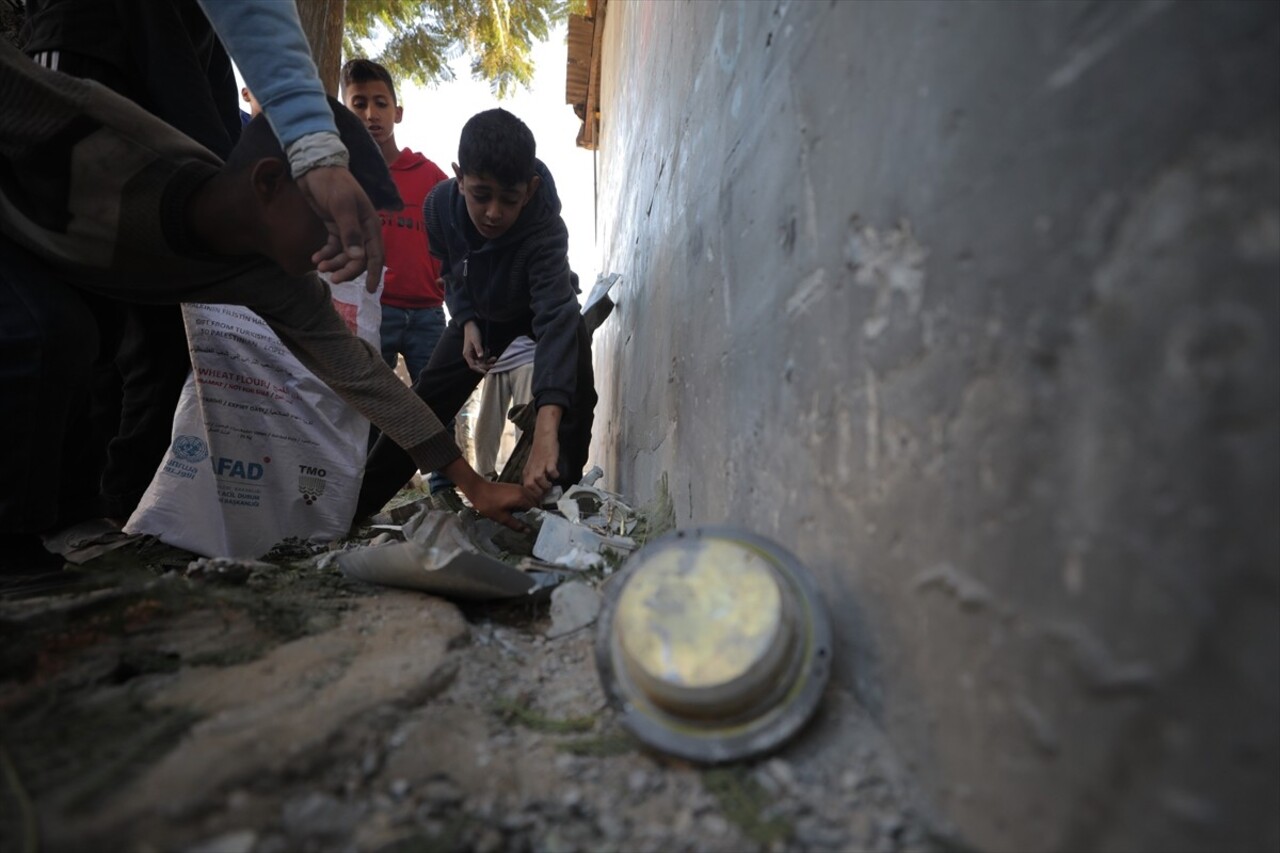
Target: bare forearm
x=548, y=423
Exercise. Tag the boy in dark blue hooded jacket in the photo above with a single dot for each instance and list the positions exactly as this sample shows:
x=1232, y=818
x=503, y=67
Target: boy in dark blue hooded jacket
x=503, y=251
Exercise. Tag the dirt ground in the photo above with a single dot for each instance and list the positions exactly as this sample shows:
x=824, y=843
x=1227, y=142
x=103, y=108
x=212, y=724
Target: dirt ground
x=295, y=709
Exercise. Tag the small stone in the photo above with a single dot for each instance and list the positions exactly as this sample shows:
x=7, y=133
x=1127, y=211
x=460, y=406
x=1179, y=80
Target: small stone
x=574, y=605
x=782, y=772
x=849, y=780
x=570, y=798
x=715, y=824
x=814, y=833
x=318, y=815
x=441, y=790
x=488, y=841
x=399, y=788
x=611, y=827
x=554, y=842
x=371, y=763
x=766, y=781
x=517, y=822
x=275, y=844
x=637, y=781
x=241, y=841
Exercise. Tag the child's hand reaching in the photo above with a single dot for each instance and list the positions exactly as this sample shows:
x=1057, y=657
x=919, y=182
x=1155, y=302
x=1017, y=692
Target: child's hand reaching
x=473, y=349
x=541, y=471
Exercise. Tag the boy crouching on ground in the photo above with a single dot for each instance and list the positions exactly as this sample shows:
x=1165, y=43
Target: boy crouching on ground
x=503, y=252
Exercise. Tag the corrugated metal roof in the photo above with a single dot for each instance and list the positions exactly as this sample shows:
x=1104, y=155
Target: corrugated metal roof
x=582, y=72
x=578, y=74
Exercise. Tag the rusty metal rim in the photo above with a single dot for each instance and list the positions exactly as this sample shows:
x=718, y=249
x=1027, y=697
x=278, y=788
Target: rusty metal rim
x=717, y=741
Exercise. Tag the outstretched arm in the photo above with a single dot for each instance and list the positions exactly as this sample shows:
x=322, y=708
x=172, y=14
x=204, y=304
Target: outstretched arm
x=304, y=319
x=265, y=39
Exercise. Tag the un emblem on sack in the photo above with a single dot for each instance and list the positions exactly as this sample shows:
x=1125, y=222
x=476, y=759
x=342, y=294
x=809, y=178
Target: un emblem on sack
x=189, y=448
x=310, y=487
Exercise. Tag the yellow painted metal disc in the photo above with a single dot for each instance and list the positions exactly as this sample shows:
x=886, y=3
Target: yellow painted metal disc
x=702, y=624
x=713, y=644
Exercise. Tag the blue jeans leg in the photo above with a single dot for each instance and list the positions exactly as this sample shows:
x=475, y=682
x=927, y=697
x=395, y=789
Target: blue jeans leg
x=422, y=333
x=425, y=330
x=391, y=334
x=413, y=333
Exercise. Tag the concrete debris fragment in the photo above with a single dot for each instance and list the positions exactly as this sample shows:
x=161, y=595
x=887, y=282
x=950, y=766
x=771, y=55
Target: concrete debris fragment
x=591, y=477
x=226, y=570
x=577, y=546
x=598, y=509
x=462, y=555
x=401, y=514
x=82, y=542
x=574, y=605
x=240, y=841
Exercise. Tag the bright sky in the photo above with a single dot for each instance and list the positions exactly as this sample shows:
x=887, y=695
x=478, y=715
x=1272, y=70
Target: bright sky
x=434, y=116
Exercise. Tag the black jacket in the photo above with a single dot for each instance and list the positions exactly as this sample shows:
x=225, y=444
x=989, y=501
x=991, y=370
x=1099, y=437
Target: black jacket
x=523, y=276
x=163, y=56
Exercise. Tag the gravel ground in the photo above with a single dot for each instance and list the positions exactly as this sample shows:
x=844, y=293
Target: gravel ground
x=289, y=708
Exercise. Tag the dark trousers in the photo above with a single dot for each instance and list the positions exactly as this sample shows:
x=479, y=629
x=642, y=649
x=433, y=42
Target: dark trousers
x=447, y=382
x=48, y=345
x=144, y=360
x=146, y=378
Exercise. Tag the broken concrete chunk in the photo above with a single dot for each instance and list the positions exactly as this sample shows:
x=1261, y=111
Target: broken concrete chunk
x=240, y=841
x=576, y=546
x=598, y=509
x=82, y=542
x=574, y=605
x=226, y=570
x=402, y=513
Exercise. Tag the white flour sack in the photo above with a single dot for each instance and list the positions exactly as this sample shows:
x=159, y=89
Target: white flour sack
x=262, y=450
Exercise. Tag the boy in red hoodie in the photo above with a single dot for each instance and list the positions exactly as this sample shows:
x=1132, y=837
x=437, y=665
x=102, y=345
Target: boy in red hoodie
x=412, y=299
x=412, y=296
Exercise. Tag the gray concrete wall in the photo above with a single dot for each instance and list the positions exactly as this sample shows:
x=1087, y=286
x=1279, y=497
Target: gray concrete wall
x=975, y=308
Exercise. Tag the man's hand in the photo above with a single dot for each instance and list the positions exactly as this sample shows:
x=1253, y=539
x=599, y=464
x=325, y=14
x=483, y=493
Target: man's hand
x=492, y=500
x=473, y=349
x=542, y=468
x=355, y=231
x=498, y=500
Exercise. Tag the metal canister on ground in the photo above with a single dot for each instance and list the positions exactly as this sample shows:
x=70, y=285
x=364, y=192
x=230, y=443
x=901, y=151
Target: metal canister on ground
x=713, y=644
